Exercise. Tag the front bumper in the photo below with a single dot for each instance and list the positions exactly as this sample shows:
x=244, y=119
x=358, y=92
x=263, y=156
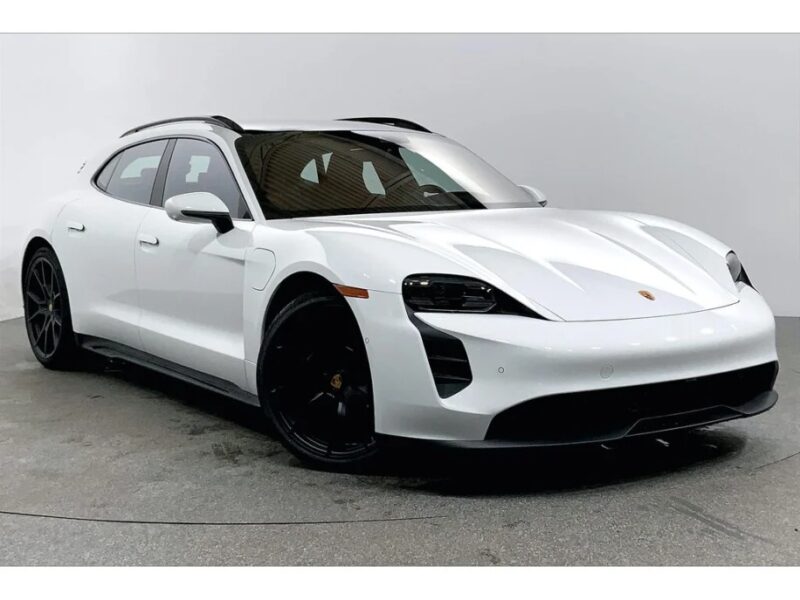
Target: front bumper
x=669, y=424
x=616, y=413
x=518, y=361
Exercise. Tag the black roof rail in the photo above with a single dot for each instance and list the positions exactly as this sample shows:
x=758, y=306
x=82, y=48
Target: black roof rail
x=393, y=121
x=213, y=120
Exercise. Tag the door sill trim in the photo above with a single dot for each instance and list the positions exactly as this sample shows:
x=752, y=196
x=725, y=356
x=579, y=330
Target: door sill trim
x=114, y=350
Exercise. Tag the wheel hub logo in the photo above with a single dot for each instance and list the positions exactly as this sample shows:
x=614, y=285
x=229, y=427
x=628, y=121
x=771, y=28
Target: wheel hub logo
x=336, y=382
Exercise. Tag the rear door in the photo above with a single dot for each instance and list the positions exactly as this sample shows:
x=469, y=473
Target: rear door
x=95, y=239
x=191, y=277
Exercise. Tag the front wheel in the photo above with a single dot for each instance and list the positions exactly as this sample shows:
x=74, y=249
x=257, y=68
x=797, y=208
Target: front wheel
x=315, y=385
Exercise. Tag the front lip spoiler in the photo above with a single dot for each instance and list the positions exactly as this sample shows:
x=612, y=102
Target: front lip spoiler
x=650, y=426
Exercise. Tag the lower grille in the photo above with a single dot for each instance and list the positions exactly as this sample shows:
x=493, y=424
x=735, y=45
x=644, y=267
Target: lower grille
x=614, y=413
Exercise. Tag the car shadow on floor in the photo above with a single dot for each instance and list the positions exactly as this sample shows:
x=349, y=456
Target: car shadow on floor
x=481, y=473
x=185, y=394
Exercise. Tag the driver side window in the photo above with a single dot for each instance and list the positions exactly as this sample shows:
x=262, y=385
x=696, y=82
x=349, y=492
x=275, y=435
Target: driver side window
x=199, y=166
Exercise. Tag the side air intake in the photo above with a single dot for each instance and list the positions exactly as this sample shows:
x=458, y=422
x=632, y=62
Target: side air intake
x=447, y=358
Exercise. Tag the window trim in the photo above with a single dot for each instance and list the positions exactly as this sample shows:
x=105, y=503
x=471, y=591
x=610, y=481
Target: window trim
x=159, y=184
x=161, y=176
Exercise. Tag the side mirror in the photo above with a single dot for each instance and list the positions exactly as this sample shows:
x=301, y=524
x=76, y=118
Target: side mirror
x=199, y=207
x=537, y=194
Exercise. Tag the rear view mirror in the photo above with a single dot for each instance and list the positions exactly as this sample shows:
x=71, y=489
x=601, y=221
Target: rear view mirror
x=537, y=194
x=199, y=207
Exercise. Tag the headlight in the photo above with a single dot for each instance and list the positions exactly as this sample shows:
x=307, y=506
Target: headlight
x=736, y=269
x=454, y=293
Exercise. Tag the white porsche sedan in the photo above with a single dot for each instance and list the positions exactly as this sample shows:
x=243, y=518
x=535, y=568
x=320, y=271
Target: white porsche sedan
x=365, y=280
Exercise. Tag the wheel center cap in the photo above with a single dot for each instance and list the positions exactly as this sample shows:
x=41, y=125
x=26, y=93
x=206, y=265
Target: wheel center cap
x=50, y=306
x=336, y=381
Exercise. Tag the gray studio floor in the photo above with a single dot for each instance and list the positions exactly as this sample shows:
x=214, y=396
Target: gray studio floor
x=122, y=467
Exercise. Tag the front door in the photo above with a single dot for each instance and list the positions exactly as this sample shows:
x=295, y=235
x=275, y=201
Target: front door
x=191, y=277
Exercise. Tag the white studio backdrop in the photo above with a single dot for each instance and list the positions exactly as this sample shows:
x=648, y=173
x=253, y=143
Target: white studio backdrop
x=704, y=129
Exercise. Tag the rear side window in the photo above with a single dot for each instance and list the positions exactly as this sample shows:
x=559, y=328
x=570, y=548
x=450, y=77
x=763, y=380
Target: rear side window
x=131, y=173
x=198, y=166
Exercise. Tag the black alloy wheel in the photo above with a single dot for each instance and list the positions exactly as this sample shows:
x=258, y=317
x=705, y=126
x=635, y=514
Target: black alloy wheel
x=47, y=316
x=315, y=384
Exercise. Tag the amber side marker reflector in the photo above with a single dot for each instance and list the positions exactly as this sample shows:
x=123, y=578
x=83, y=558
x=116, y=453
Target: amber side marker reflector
x=351, y=292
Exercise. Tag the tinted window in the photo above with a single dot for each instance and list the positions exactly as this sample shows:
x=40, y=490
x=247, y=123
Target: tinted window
x=306, y=173
x=134, y=171
x=105, y=175
x=198, y=166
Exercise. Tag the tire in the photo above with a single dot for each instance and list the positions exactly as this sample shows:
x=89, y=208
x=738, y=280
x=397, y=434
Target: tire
x=47, y=314
x=314, y=384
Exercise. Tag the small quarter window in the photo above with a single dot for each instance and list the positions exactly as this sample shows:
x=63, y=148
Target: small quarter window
x=105, y=175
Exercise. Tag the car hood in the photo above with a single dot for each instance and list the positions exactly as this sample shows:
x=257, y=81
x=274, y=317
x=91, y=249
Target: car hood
x=576, y=265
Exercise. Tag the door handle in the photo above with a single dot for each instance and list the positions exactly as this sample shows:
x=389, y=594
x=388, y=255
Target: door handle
x=148, y=240
x=75, y=226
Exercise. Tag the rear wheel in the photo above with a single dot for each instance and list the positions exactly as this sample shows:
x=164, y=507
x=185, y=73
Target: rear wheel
x=314, y=383
x=47, y=316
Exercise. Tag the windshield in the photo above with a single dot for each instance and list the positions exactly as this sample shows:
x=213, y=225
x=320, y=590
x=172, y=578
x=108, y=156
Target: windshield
x=313, y=173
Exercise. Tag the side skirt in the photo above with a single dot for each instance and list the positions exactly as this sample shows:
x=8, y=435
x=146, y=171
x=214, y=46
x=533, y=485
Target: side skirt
x=113, y=350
